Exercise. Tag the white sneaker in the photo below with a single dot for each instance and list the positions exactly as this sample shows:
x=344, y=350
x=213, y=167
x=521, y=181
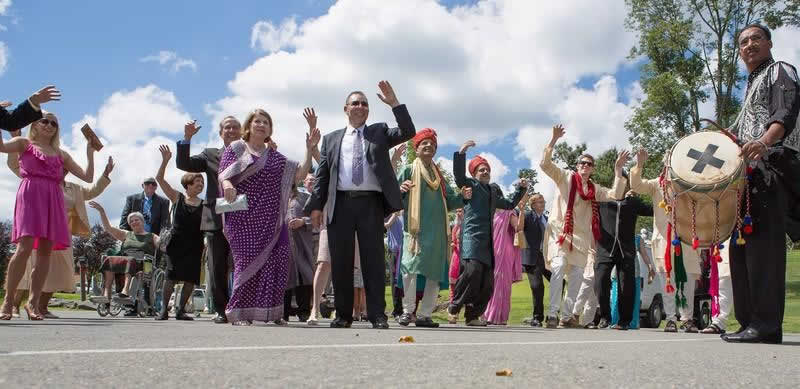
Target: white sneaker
x=312, y=321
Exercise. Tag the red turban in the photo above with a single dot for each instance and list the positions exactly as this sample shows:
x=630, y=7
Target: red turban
x=425, y=133
x=477, y=161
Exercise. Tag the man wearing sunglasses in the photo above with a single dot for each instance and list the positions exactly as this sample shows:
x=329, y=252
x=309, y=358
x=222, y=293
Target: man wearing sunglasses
x=154, y=208
x=574, y=227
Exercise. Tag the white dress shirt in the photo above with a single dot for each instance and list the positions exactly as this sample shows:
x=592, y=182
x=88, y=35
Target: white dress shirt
x=346, y=163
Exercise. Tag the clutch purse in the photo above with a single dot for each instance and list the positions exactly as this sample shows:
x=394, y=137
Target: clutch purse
x=223, y=206
x=91, y=137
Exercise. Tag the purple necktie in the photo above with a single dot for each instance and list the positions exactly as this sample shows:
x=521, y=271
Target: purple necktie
x=358, y=160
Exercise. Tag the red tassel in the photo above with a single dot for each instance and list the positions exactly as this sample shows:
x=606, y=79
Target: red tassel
x=670, y=288
x=748, y=229
x=695, y=243
x=677, y=250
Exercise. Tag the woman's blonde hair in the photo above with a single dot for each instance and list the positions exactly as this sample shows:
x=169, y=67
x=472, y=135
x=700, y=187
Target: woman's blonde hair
x=55, y=141
x=249, y=123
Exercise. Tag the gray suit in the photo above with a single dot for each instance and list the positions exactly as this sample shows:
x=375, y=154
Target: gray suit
x=359, y=212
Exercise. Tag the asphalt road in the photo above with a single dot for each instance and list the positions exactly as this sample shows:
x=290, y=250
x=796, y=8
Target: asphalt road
x=84, y=350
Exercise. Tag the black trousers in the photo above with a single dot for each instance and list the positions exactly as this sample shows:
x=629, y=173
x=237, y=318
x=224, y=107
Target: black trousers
x=536, y=276
x=217, y=254
x=358, y=213
x=758, y=268
x=474, y=288
x=303, y=295
x=626, y=279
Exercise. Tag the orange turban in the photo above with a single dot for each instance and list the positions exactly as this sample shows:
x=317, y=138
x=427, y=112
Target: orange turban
x=425, y=133
x=477, y=161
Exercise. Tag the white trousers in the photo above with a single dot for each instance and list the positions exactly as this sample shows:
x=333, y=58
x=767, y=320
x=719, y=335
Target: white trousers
x=429, y=296
x=586, y=303
x=725, y=302
x=574, y=277
x=686, y=312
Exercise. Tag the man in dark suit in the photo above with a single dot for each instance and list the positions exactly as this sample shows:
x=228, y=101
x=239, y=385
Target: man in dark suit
x=154, y=208
x=356, y=177
x=207, y=162
x=533, y=259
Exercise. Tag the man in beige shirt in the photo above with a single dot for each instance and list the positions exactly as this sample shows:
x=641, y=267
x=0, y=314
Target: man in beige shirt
x=574, y=225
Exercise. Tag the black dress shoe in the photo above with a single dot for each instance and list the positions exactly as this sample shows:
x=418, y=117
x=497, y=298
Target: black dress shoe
x=341, y=323
x=163, y=315
x=404, y=319
x=380, y=324
x=603, y=324
x=221, y=319
x=751, y=335
x=426, y=322
x=181, y=315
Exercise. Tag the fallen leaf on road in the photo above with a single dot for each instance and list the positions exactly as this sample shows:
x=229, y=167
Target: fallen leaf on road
x=503, y=373
x=406, y=339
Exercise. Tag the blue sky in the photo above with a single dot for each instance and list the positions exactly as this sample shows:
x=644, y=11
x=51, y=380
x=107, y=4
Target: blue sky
x=493, y=71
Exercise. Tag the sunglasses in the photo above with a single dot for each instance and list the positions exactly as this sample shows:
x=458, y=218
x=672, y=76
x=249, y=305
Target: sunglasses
x=359, y=103
x=586, y=163
x=50, y=122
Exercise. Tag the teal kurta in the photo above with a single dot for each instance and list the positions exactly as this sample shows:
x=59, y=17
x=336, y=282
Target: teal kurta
x=476, y=230
x=431, y=262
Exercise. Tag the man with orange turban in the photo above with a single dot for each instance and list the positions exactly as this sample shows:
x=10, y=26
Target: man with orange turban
x=475, y=282
x=426, y=198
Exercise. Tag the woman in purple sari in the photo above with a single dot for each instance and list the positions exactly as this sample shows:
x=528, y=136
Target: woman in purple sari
x=507, y=264
x=259, y=236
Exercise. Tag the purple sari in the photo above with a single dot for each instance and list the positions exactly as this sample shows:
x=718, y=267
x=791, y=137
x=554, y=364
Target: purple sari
x=258, y=236
x=507, y=268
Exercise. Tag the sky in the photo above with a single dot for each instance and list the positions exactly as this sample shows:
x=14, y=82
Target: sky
x=500, y=72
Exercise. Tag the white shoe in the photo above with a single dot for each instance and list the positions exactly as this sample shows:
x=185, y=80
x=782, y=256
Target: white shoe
x=312, y=321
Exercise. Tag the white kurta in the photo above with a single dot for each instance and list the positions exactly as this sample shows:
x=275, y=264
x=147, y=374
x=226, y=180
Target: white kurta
x=691, y=257
x=583, y=242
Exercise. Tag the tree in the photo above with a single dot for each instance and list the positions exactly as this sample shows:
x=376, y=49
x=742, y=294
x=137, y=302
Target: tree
x=93, y=248
x=568, y=155
x=5, y=248
x=532, y=177
x=692, y=56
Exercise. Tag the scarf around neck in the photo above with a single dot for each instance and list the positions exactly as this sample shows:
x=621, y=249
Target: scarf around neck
x=420, y=173
x=576, y=186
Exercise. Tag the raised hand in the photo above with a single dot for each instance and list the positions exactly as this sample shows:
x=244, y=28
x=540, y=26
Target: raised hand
x=398, y=152
x=387, y=94
x=97, y=206
x=5, y=104
x=466, y=192
x=622, y=159
x=311, y=118
x=190, y=129
x=466, y=146
x=166, y=154
x=48, y=93
x=312, y=138
x=641, y=157
x=406, y=186
x=558, y=131
x=109, y=167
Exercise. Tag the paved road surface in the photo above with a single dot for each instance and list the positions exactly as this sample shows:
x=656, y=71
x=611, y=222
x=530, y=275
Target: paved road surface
x=84, y=350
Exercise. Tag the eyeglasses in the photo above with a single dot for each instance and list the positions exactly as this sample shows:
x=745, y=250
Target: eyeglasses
x=50, y=122
x=586, y=163
x=357, y=103
x=151, y=184
x=751, y=39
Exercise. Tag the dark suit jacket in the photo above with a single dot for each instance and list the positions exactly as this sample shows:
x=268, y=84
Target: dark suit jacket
x=20, y=117
x=534, y=233
x=379, y=138
x=159, y=212
x=619, y=239
x=206, y=162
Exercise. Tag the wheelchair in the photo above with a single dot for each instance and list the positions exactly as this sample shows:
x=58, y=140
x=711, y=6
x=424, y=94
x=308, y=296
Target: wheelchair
x=145, y=290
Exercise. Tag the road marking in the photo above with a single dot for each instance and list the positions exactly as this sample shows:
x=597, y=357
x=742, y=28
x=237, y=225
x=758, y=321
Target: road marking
x=336, y=346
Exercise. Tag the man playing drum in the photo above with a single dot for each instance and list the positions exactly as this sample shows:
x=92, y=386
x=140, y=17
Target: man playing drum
x=574, y=225
x=766, y=126
x=660, y=243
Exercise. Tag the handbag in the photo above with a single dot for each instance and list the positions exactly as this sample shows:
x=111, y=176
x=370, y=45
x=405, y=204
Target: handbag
x=166, y=236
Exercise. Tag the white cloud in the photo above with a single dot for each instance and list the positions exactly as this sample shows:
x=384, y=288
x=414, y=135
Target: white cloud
x=137, y=115
x=784, y=45
x=267, y=37
x=4, y=5
x=477, y=72
x=3, y=57
x=171, y=60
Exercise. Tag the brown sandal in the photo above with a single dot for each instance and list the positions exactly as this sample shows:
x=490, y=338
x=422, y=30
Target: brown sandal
x=32, y=315
x=712, y=329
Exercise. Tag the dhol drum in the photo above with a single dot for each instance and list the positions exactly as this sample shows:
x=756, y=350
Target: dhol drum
x=705, y=180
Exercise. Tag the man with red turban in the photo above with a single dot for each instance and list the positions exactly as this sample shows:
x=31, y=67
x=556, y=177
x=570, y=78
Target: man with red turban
x=475, y=282
x=427, y=198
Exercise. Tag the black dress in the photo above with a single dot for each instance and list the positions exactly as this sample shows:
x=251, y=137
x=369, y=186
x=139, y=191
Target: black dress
x=186, y=245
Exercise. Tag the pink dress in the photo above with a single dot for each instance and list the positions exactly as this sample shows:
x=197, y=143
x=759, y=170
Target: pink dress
x=507, y=268
x=39, y=211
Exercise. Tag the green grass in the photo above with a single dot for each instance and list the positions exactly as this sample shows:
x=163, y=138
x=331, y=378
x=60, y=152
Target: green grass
x=522, y=305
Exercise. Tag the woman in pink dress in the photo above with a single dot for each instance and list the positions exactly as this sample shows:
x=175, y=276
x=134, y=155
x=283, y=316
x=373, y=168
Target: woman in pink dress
x=455, y=258
x=40, y=217
x=507, y=264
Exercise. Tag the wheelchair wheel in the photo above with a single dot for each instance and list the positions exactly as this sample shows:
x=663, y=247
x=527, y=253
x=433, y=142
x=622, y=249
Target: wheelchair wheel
x=115, y=309
x=156, y=287
x=102, y=310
